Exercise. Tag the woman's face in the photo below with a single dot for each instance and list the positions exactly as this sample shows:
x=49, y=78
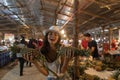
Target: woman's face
x=53, y=37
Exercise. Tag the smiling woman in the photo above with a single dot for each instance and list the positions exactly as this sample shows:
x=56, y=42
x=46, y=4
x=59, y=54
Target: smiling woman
x=50, y=44
x=53, y=37
x=54, y=62
x=55, y=65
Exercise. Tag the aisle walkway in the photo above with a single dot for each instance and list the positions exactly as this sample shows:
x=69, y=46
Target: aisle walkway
x=30, y=73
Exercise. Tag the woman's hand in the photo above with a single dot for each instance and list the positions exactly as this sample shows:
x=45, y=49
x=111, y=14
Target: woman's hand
x=68, y=55
x=28, y=57
x=30, y=54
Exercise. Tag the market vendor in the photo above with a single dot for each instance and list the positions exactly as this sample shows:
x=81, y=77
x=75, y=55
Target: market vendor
x=84, y=43
x=92, y=44
x=113, y=45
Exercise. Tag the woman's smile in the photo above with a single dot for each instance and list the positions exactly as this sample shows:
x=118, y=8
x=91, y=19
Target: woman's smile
x=52, y=37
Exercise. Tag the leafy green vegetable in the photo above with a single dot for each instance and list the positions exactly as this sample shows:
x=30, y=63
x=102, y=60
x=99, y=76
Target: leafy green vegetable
x=15, y=49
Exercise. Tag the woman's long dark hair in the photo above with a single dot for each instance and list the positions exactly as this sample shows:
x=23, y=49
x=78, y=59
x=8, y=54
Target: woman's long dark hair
x=46, y=46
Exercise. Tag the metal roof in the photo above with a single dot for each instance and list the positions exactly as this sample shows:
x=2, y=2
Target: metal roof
x=38, y=15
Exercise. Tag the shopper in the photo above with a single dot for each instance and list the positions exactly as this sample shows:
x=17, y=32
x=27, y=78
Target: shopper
x=92, y=44
x=31, y=44
x=22, y=44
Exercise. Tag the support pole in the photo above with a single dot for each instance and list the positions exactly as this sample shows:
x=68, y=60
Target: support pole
x=75, y=43
x=119, y=35
x=3, y=38
x=103, y=35
x=110, y=37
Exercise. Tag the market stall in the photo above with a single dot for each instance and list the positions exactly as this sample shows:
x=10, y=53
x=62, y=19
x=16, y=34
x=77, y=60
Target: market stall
x=97, y=69
x=4, y=56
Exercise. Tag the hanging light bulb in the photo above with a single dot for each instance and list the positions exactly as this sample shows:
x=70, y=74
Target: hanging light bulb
x=64, y=35
x=62, y=32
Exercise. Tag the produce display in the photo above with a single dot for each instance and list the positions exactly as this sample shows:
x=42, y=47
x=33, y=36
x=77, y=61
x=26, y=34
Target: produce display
x=36, y=55
x=60, y=51
x=107, y=64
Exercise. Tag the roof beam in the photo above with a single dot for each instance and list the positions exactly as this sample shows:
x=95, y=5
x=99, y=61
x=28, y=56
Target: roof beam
x=94, y=15
x=8, y=30
x=112, y=22
x=67, y=5
x=4, y=20
x=41, y=3
x=85, y=5
x=64, y=14
x=6, y=24
x=47, y=10
x=105, y=5
x=99, y=14
x=88, y=26
x=14, y=14
x=62, y=6
x=16, y=7
x=52, y=2
x=56, y=13
x=30, y=2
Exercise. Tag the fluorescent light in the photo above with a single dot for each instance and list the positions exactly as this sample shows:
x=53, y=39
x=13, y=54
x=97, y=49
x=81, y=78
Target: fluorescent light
x=5, y=2
x=106, y=30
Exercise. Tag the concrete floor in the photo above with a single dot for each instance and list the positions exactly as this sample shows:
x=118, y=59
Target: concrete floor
x=30, y=73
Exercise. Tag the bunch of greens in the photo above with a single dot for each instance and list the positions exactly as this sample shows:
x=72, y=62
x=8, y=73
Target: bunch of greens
x=76, y=51
x=60, y=51
x=116, y=75
x=15, y=49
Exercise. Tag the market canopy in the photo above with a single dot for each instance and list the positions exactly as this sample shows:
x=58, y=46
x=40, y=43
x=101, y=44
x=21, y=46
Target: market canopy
x=41, y=14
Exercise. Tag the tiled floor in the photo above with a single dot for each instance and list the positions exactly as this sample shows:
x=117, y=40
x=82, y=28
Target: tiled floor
x=30, y=73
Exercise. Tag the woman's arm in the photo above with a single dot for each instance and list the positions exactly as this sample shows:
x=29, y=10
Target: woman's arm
x=38, y=64
x=64, y=64
x=40, y=67
x=65, y=60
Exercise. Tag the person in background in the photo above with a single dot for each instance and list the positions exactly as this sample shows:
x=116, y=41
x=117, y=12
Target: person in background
x=35, y=43
x=106, y=47
x=92, y=44
x=84, y=43
x=16, y=41
x=31, y=44
x=40, y=43
x=113, y=45
x=22, y=44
